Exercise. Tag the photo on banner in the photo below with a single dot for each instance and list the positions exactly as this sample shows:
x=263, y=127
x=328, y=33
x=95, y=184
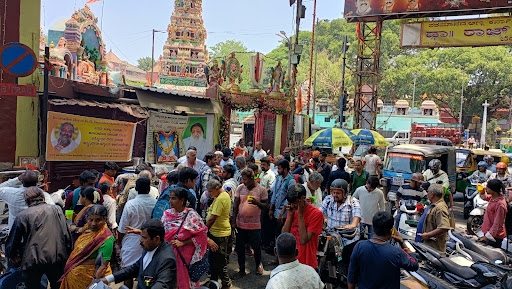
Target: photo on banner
x=80, y=138
x=182, y=132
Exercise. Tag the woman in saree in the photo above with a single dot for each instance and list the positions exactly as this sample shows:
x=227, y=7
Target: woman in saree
x=88, y=198
x=96, y=238
x=191, y=240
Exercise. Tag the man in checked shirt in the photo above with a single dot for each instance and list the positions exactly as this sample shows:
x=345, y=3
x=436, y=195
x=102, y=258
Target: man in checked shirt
x=340, y=209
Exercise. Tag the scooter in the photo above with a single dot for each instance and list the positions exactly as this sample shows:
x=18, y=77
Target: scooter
x=476, y=216
x=409, y=217
x=458, y=269
x=330, y=250
x=469, y=195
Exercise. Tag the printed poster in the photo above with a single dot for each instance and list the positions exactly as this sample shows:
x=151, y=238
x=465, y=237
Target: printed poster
x=169, y=136
x=80, y=138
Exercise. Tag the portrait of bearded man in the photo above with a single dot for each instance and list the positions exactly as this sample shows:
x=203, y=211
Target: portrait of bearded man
x=196, y=139
x=65, y=143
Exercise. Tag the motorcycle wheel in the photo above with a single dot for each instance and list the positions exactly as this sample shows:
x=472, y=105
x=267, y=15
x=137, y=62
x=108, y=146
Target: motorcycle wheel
x=474, y=224
x=467, y=210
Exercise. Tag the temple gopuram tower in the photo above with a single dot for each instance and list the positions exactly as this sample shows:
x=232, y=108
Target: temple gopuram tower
x=185, y=54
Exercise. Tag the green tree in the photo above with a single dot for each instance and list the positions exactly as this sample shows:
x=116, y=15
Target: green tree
x=146, y=63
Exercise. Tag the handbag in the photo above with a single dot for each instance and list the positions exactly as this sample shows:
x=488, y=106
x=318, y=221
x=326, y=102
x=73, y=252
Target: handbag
x=196, y=270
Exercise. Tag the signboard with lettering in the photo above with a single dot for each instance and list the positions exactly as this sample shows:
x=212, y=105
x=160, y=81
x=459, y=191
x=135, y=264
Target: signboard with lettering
x=451, y=33
x=80, y=138
x=359, y=10
x=9, y=89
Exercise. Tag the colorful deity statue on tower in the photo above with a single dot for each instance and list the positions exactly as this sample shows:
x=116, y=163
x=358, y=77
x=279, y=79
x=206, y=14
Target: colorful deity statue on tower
x=184, y=54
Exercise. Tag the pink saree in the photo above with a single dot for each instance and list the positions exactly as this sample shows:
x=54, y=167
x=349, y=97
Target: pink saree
x=193, y=228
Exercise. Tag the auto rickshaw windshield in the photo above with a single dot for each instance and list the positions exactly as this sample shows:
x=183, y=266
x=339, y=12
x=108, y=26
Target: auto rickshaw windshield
x=463, y=159
x=404, y=163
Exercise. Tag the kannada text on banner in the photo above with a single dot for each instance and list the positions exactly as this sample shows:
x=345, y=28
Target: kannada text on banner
x=399, y=9
x=79, y=138
x=452, y=33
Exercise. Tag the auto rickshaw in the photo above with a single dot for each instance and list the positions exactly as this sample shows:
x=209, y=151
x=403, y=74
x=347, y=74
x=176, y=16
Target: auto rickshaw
x=506, y=144
x=404, y=160
x=466, y=165
x=467, y=161
x=499, y=156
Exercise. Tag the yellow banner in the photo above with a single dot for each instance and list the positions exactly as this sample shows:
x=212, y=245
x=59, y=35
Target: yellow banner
x=468, y=32
x=80, y=138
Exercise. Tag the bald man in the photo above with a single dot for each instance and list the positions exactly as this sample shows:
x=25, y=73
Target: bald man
x=259, y=153
x=185, y=159
x=12, y=194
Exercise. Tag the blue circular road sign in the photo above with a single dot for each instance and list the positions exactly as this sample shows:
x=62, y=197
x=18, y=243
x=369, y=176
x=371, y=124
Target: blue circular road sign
x=17, y=59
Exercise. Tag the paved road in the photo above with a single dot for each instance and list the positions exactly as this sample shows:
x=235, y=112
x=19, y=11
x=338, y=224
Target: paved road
x=252, y=281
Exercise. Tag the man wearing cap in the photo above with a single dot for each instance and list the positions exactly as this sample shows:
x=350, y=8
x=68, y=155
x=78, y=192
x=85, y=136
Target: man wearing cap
x=340, y=209
x=411, y=191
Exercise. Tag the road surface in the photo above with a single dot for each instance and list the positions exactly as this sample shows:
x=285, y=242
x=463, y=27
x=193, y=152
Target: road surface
x=252, y=281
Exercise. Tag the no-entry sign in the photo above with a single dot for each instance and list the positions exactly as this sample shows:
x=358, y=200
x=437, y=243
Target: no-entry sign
x=17, y=59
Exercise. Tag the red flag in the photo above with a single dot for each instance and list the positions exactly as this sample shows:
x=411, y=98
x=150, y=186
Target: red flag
x=92, y=1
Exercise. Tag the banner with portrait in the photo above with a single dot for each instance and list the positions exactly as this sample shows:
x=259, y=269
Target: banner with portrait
x=80, y=138
x=169, y=136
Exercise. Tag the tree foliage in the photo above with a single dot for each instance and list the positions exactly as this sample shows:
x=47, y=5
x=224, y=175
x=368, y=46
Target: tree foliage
x=145, y=63
x=443, y=74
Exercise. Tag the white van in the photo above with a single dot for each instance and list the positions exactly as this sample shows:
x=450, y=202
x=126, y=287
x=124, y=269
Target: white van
x=400, y=137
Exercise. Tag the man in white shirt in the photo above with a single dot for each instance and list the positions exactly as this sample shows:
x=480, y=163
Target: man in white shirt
x=11, y=192
x=156, y=268
x=135, y=214
x=153, y=191
x=259, y=152
x=267, y=176
x=193, y=162
x=313, y=189
x=290, y=273
x=183, y=159
x=226, y=157
x=372, y=201
x=372, y=162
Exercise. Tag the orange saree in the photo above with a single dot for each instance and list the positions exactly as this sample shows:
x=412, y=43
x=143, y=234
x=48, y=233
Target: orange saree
x=78, y=275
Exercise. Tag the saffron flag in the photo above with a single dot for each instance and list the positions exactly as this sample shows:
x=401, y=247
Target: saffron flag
x=298, y=103
x=424, y=96
x=92, y=1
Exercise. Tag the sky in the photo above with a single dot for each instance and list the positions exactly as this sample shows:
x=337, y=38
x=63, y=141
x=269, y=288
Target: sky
x=127, y=24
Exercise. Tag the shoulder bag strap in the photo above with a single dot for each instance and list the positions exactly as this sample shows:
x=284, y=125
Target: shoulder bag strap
x=176, y=238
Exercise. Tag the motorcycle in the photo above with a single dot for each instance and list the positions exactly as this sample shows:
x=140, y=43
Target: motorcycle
x=458, y=269
x=409, y=217
x=469, y=195
x=330, y=250
x=476, y=216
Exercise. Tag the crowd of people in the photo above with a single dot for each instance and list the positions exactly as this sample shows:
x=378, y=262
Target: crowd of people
x=167, y=229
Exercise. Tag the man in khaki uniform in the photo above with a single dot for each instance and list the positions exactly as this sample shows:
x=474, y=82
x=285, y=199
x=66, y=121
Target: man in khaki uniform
x=437, y=222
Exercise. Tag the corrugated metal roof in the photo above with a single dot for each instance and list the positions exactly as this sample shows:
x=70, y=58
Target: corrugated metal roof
x=131, y=109
x=174, y=92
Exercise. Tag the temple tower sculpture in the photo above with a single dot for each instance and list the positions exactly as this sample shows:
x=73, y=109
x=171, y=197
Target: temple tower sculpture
x=185, y=54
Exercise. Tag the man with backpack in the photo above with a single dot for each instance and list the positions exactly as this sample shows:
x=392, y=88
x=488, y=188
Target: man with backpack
x=358, y=177
x=162, y=203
